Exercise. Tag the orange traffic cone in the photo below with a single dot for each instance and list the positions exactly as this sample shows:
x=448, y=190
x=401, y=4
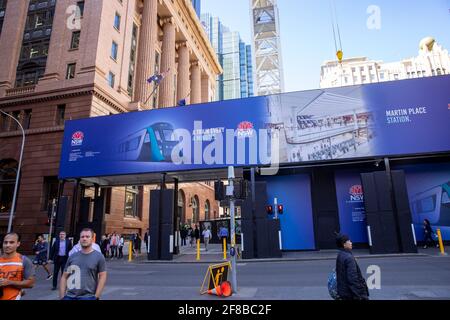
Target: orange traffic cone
x=216, y=291
x=226, y=289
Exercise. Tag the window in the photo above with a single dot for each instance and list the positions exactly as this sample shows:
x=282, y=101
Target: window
x=14, y=126
x=50, y=192
x=111, y=79
x=26, y=119
x=114, y=50
x=439, y=72
x=80, y=5
x=195, y=210
x=131, y=203
x=8, y=172
x=396, y=76
x=4, y=122
x=382, y=76
x=131, y=70
x=363, y=78
x=60, y=114
x=155, y=96
x=207, y=210
x=117, y=21
x=71, y=71
x=2, y=13
x=75, y=42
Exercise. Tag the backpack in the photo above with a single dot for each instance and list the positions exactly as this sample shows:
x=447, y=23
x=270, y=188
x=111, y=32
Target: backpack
x=332, y=285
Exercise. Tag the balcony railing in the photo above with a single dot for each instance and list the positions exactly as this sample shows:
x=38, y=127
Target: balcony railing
x=20, y=91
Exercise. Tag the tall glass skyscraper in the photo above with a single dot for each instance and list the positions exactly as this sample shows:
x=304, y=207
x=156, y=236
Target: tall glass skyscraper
x=234, y=56
x=197, y=6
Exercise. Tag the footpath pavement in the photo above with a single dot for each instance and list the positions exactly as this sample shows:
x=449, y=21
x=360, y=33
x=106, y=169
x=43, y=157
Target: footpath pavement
x=214, y=254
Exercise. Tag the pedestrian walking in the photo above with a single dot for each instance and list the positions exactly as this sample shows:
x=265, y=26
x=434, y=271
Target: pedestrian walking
x=428, y=234
x=137, y=243
x=146, y=235
x=113, y=244
x=191, y=236
x=183, y=235
x=87, y=272
x=16, y=271
x=351, y=285
x=121, y=244
x=196, y=234
x=104, y=245
x=59, y=254
x=223, y=234
x=40, y=249
x=206, y=237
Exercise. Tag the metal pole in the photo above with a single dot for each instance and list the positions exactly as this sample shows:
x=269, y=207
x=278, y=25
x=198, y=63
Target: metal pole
x=230, y=193
x=13, y=206
x=51, y=228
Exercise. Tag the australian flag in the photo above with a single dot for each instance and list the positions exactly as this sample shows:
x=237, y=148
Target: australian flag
x=157, y=78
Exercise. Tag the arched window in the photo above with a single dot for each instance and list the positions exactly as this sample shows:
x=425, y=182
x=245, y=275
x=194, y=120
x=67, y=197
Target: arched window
x=8, y=174
x=207, y=210
x=195, y=210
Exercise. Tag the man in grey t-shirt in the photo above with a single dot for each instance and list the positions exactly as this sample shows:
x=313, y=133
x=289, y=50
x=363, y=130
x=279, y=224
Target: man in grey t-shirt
x=85, y=273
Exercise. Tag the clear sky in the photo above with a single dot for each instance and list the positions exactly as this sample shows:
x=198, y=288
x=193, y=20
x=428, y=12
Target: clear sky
x=307, y=35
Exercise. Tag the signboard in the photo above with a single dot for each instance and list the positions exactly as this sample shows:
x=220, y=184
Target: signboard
x=383, y=119
x=352, y=213
x=216, y=275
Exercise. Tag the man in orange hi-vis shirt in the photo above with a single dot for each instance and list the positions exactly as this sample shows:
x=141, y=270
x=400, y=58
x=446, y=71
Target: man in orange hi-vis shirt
x=16, y=270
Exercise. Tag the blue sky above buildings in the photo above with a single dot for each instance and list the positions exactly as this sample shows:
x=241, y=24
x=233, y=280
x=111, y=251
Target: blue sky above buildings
x=307, y=37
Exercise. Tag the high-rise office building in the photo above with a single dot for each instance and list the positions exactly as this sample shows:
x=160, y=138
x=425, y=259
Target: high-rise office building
x=197, y=6
x=234, y=56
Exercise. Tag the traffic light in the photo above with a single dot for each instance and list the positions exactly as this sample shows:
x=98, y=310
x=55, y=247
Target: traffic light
x=219, y=190
x=280, y=209
x=269, y=209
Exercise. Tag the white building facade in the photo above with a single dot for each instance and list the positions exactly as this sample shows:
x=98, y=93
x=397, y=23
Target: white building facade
x=361, y=70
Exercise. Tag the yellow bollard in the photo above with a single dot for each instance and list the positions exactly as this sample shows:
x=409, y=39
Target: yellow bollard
x=441, y=243
x=130, y=252
x=224, y=249
x=198, y=250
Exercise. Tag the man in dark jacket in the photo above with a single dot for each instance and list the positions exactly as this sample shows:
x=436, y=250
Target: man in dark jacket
x=351, y=285
x=59, y=254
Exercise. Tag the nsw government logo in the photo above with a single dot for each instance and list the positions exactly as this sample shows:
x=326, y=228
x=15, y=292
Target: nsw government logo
x=245, y=130
x=77, y=139
x=356, y=193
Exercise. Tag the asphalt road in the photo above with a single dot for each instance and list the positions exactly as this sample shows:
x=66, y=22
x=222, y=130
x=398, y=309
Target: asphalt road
x=410, y=278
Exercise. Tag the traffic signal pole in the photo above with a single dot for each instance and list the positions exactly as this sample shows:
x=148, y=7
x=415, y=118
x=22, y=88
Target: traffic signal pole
x=230, y=194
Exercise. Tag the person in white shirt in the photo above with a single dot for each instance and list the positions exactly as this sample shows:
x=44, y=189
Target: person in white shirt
x=206, y=237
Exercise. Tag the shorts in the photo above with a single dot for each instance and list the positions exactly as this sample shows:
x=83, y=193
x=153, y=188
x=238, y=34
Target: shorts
x=40, y=262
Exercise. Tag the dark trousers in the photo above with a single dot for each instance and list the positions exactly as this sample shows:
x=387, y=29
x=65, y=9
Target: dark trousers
x=428, y=239
x=120, y=252
x=59, y=264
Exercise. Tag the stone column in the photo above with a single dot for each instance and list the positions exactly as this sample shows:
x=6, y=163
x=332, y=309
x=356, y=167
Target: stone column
x=196, y=86
x=183, y=84
x=167, y=86
x=11, y=42
x=145, y=66
x=205, y=88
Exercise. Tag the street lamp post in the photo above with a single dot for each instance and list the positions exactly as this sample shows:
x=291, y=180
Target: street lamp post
x=13, y=206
